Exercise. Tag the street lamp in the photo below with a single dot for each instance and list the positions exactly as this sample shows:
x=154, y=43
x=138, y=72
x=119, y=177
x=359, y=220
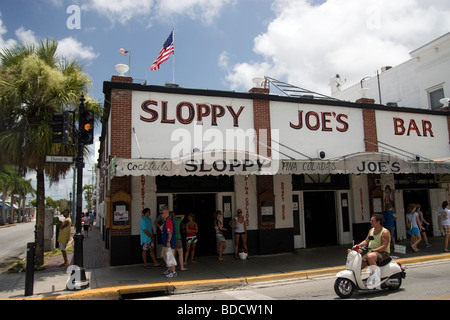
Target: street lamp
x=79, y=281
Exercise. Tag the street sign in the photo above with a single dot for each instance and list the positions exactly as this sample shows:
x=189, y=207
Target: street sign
x=58, y=159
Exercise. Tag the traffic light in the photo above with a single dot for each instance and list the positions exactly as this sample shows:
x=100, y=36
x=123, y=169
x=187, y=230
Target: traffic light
x=87, y=127
x=60, y=127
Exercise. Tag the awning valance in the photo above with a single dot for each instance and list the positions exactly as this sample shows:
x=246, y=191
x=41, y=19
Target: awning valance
x=241, y=163
x=363, y=163
x=200, y=164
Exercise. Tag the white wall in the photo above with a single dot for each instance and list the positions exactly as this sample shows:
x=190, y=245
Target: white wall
x=431, y=144
x=328, y=137
x=158, y=139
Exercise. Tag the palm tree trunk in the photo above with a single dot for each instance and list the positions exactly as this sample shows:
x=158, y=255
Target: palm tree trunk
x=40, y=215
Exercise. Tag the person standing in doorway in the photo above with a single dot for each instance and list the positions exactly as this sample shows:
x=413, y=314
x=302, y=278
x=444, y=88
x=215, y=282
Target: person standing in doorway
x=220, y=238
x=169, y=243
x=191, y=237
x=389, y=221
x=147, y=238
x=240, y=233
x=64, y=236
x=444, y=223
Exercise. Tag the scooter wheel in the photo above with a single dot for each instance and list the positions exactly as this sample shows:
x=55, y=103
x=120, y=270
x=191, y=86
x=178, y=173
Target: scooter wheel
x=397, y=286
x=344, y=288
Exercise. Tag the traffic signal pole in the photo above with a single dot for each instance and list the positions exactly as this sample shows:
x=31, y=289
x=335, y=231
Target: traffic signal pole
x=78, y=280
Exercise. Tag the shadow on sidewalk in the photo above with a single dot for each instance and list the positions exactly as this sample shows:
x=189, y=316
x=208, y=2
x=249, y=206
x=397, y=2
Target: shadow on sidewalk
x=95, y=256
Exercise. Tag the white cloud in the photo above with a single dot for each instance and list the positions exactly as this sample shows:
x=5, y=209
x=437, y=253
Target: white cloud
x=74, y=49
x=123, y=11
x=206, y=10
x=26, y=36
x=5, y=43
x=307, y=44
x=67, y=47
x=120, y=10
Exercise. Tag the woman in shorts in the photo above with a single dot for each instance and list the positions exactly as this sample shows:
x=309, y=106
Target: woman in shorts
x=415, y=227
x=240, y=233
x=220, y=238
x=191, y=237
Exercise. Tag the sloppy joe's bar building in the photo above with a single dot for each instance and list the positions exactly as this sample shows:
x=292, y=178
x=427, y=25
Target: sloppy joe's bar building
x=305, y=172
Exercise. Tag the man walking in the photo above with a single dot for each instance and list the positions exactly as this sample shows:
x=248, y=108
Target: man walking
x=169, y=241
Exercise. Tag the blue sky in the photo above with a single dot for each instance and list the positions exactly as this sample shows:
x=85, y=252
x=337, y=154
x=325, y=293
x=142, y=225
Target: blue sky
x=223, y=44
x=199, y=39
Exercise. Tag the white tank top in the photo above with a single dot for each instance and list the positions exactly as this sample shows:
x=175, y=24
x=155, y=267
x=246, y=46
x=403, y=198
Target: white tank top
x=239, y=226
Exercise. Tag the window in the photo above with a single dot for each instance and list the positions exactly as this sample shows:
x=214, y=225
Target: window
x=435, y=96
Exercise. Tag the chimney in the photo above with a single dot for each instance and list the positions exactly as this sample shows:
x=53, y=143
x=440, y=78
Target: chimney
x=261, y=86
x=364, y=98
x=445, y=104
x=121, y=69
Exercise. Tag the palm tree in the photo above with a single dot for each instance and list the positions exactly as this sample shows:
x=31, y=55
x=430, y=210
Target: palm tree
x=22, y=189
x=35, y=83
x=89, y=194
x=8, y=180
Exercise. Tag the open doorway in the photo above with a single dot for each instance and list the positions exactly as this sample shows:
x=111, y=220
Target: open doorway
x=419, y=196
x=203, y=206
x=320, y=218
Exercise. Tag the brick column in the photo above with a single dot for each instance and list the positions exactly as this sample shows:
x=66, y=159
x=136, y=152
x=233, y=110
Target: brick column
x=261, y=120
x=370, y=126
x=370, y=135
x=121, y=139
x=121, y=130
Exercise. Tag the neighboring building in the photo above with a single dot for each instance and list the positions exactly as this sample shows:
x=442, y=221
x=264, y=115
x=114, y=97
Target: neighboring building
x=305, y=172
x=417, y=83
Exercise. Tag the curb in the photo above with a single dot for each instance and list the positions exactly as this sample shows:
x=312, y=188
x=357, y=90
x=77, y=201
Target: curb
x=118, y=292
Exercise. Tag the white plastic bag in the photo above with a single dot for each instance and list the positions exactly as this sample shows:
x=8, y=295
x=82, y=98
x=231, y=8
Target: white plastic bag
x=374, y=279
x=170, y=259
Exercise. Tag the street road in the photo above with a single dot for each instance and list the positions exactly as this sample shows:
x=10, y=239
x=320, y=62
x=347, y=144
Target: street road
x=423, y=281
x=13, y=242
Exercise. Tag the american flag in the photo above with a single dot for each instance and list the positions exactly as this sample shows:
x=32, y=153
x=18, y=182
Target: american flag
x=123, y=51
x=165, y=52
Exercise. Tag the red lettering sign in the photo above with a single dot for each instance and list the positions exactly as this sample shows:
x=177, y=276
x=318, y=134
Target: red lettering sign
x=185, y=112
x=400, y=129
x=323, y=121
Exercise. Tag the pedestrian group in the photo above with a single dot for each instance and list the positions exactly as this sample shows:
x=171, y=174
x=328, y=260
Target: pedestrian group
x=171, y=226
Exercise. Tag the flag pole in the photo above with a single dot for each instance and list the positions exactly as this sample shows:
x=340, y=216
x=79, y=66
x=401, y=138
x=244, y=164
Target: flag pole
x=129, y=62
x=173, y=56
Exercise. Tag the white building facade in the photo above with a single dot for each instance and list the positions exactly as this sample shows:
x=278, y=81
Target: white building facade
x=305, y=172
x=421, y=82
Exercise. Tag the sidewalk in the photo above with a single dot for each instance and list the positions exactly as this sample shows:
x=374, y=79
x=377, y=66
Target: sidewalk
x=117, y=282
